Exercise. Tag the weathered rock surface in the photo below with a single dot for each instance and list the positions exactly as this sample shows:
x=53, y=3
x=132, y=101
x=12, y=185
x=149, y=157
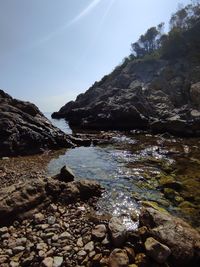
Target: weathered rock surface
x=156, y=95
x=180, y=237
x=156, y=250
x=117, y=231
x=25, y=130
x=18, y=199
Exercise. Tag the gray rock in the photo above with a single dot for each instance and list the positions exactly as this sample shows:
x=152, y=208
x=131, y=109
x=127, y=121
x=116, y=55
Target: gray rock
x=65, y=235
x=117, y=231
x=47, y=262
x=176, y=234
x=57, y=261
x=18, y=249
x=156, y=250
x=99, y=232
x=89, y=246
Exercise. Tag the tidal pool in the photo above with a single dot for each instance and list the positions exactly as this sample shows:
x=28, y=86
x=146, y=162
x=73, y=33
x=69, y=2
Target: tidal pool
x=134, y=168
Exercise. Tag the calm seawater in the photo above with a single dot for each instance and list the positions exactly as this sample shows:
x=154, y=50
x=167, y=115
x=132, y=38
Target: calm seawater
x=131, y=169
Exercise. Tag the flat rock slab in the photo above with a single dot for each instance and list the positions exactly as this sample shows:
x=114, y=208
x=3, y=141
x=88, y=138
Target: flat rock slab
x=18, y=199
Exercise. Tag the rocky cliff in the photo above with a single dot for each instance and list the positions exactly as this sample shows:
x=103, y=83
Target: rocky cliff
x=156, y=95
x=25, y=130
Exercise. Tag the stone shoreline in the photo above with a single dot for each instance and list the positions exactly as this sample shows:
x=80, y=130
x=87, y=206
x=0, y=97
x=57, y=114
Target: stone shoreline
x=58, y=226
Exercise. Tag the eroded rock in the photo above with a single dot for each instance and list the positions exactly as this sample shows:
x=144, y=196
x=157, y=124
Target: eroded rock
x=179, y=236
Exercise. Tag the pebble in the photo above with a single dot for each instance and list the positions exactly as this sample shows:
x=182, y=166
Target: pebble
x=18, y=249
x=47, y=262
x=99, y=232
x=89, y=246
x=65, y=235
x=57, y=261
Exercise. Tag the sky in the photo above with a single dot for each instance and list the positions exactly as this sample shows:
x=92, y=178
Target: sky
x=51, y=51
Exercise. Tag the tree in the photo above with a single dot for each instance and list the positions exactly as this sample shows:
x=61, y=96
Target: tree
x=148, y=42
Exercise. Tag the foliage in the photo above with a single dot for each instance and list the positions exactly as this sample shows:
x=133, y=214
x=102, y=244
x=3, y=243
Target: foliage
x=183, y=38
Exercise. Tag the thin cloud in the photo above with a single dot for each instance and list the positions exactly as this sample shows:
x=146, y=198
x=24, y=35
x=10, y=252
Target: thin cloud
x=76, y=19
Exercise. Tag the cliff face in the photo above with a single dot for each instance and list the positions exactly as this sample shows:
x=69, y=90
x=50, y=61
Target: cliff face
x=155, y=95
x=25, y=130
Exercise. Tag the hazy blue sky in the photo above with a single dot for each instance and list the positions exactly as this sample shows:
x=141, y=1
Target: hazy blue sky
x=52, y=50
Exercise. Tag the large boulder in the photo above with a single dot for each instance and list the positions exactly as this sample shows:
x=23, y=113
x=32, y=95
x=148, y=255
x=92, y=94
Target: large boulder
x=25, y=130
x=173, y=232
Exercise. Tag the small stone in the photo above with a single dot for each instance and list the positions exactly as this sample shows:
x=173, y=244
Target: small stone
x=39, y=217
x=53, y=207
x=99, y=232
x=14, y=264
x=55, y=238
x=156, y=250
x=97, y=258
x=57, y=261
x=118, y=258
x=65, y=235
x=18, y=249
x=47, y=262
x=67, y=248
x=92, y=254
x=80, y=242
x=81, y=253
x=3, y=230
x=41, y=246
x=42, y=254
x=66, y=175
x=105, y=242
x=89, y=246
x=51, y=220
x=117, y=231
x=21, y=241
x=5, y=236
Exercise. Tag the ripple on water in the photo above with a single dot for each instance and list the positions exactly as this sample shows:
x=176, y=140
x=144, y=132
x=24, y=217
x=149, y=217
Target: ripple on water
x=107, y=167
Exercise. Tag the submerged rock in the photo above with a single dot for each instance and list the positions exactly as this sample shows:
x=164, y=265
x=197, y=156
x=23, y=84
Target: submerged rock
x=25, y=130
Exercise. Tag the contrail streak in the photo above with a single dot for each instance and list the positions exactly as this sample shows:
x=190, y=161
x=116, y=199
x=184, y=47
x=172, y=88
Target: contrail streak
x=77, y=18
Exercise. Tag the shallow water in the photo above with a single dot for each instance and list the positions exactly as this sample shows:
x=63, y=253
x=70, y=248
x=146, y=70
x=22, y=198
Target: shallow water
x=132, y=168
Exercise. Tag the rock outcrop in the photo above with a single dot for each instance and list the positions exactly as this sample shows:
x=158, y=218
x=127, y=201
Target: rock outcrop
x=155, y=95
x=25, y=130
x=19, y=199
